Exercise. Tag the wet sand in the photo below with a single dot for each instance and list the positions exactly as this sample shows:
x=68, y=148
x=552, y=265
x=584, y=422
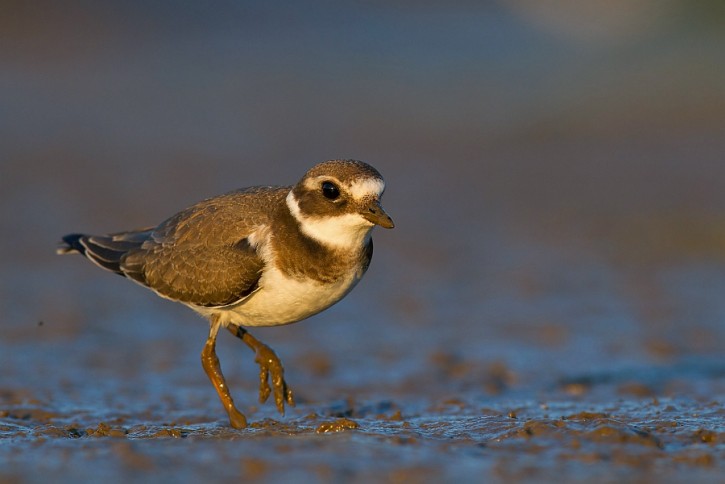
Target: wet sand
x=549, y=306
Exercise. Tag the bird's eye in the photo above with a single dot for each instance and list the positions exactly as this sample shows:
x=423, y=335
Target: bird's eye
x=330, y=190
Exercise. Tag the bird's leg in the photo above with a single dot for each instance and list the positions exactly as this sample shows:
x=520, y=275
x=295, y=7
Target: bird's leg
x=213, y=370
x=269, y=363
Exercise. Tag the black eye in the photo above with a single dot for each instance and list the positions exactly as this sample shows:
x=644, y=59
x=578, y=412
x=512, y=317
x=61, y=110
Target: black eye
x=330, y=190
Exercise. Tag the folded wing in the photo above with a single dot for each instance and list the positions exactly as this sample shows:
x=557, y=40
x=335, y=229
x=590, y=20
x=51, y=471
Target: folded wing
x=202, y=256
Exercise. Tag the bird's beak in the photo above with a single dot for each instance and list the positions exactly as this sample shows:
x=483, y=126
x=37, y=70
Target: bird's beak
x=374, y=213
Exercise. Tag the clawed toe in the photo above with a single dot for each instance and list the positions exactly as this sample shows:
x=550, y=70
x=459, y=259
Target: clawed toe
x=271, y=370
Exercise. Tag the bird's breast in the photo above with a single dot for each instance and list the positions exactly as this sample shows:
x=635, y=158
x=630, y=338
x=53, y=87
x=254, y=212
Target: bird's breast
x=282, y=299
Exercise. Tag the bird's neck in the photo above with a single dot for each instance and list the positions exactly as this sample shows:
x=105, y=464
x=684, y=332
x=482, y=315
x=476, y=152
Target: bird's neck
x=347, y=232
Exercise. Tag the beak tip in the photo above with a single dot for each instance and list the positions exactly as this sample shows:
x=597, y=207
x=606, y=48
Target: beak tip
x=376, y=215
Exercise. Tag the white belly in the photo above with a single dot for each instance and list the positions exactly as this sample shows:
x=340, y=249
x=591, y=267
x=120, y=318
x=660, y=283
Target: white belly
x=283, y=300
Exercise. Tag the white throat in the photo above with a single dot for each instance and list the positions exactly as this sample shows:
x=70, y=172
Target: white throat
x=350, y=231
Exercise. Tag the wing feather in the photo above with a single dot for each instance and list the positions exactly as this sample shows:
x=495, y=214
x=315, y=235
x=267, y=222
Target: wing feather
x=203, y=255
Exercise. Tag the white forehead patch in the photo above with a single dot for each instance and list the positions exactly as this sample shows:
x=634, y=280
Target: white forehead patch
x=367, y=187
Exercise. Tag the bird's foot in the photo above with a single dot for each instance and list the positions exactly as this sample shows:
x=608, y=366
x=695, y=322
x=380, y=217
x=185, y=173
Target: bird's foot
x=271, y=371
x=236, y=418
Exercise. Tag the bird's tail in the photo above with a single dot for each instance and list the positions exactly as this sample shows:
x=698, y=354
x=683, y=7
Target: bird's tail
x=106, y=251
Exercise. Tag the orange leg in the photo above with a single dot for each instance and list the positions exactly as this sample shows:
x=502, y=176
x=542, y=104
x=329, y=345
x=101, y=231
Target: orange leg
x=213, y=370
x=269, y=363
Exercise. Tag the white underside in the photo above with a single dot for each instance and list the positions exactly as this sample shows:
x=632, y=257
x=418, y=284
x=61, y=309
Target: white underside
x=282, y=300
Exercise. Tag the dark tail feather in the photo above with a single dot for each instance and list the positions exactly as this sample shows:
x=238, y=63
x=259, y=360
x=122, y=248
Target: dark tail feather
x=106, y=251
x=72, y=244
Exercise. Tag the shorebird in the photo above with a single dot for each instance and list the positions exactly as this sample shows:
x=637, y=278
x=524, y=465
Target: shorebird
x=259, y=256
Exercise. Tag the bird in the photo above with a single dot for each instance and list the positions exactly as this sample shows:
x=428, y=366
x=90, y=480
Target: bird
x=257, y=256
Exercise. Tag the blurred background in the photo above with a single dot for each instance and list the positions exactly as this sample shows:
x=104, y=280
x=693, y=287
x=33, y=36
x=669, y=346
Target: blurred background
x=556, y=172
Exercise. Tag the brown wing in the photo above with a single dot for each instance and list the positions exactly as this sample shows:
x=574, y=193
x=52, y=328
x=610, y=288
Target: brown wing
x=202, y=255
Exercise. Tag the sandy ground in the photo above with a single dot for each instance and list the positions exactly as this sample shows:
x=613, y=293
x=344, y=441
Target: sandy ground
x=549, y=306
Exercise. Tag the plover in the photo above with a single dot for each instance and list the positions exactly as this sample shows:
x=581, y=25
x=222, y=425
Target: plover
x=260, y=256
